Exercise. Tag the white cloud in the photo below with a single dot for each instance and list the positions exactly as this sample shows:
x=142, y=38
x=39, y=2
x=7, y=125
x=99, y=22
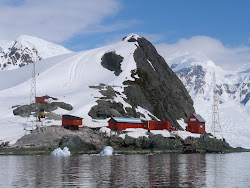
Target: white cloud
x=54, y=20
x=227, y=58
x=152, y=37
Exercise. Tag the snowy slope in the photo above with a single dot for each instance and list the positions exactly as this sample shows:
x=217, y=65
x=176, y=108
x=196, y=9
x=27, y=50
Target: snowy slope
x=66, y=77
x=4, y=45
x=25, y=50
x=196, y=72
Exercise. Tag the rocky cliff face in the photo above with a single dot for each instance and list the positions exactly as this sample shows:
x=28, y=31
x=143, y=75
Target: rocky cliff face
x=155, y=87
x=158, y=89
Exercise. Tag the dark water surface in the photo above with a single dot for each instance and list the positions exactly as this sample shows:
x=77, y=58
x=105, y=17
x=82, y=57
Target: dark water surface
x=163, y=170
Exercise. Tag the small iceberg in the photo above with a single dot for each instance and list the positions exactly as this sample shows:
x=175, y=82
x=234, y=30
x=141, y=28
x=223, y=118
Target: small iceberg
x=59, y=152
x=107, y=150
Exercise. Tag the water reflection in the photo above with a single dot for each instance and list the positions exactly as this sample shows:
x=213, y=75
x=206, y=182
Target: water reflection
x=168, y=170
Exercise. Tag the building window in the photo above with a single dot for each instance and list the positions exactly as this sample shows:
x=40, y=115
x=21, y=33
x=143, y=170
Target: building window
x=192, y=119
x=201, y=126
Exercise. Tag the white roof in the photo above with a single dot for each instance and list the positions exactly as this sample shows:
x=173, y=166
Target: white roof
x=127, y=120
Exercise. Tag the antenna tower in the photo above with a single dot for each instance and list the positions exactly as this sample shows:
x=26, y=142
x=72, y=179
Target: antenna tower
x=216, y=128
x=32, y=119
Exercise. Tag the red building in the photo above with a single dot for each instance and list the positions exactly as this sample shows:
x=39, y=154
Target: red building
x=157, y=125
x=120, y=123
x=196, y=124
x=42, y=99
x=71, y=122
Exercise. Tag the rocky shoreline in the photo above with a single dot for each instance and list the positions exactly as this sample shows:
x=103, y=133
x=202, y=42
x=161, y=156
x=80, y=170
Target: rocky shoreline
x=88, y=141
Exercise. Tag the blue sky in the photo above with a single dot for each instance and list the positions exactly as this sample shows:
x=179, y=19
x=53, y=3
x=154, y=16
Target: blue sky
x=171, y=24
x=169, y=21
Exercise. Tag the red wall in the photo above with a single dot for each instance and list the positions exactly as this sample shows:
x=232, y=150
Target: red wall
x=112, y=124
x=41, y=99
x=69, y=121
x=195, y=126
x=122, y=125
x=153, y=125
x=157, y=125
x=160, y=125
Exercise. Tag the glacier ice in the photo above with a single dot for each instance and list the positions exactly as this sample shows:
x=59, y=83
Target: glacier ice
x=59, y=152
x=107, y=150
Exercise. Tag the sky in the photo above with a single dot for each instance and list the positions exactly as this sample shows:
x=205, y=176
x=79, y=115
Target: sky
x=218, y=29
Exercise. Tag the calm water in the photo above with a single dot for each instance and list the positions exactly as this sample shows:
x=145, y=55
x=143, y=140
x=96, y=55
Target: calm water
x=165, y=170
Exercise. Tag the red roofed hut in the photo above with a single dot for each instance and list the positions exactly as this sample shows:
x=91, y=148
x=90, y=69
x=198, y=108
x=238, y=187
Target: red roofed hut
x=196, y=124
x=42, y=99
x=71, y=122
x=120, y=123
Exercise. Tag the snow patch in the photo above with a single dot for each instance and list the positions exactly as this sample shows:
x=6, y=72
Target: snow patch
x=182, y=123
x=151, y=64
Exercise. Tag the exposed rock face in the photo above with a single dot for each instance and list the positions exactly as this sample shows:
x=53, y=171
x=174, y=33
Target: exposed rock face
x=54, y=136
x=106, y=106
x=106, y=109
x=209, y=144
x=74, y=142
x=158, y=142
x=24, y=111
x=158, y=89
x=155, y=88
x=112, y=62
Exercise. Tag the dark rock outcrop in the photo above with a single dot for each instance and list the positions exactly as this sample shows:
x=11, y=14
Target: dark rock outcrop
x=74, y=142
x=112, y=62
x=106, y=109
x=157, y=89
x=54, y=136
x=25, y=110
x=209, y=144
x=106, y=106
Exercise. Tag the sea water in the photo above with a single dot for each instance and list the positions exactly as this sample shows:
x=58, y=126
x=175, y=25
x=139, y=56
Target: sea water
x=160, y=170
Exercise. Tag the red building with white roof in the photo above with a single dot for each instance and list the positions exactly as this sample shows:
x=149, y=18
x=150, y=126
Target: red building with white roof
x=120, y=123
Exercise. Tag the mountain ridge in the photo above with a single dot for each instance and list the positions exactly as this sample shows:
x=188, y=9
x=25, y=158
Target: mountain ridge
x=26, y=50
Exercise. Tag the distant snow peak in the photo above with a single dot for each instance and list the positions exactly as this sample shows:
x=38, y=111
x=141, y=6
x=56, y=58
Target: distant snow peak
x=196, y=73
x=26, y=50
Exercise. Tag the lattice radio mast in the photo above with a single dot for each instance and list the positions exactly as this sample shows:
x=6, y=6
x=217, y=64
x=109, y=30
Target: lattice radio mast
x=216, y=128
x=32, y=119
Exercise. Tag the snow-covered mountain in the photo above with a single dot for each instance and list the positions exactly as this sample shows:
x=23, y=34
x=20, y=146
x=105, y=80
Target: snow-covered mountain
x=26, y=50
x=196, y=72
x=128, y=79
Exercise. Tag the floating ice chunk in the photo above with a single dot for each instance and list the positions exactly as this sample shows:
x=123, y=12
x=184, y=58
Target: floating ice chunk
x=60, y=152
x=108, y=150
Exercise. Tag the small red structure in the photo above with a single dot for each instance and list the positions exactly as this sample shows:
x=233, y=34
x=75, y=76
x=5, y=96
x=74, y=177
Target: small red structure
x=196, y=124
x=157, y=125
x=120, y=123
x=42, y=99
x=71, y=122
